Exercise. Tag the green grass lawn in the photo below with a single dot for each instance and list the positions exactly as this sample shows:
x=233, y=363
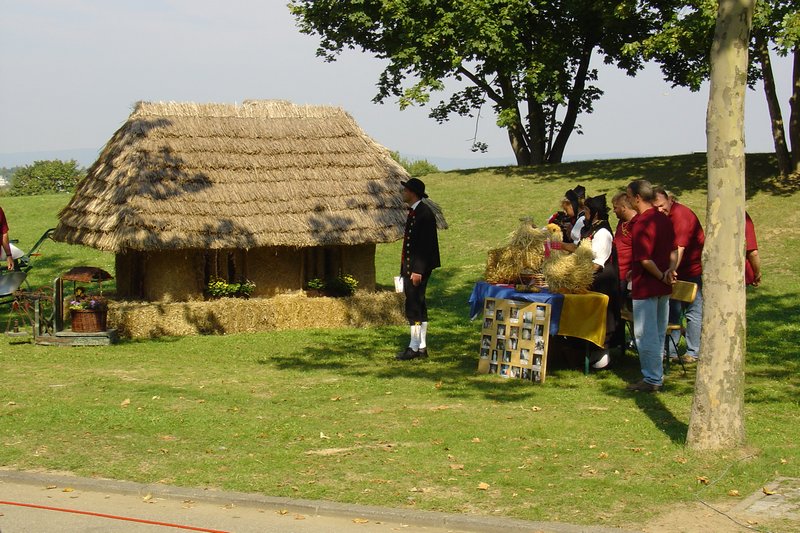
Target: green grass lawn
x=330, y=414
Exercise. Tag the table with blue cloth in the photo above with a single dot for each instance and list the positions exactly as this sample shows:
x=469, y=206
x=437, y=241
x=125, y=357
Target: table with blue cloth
x=571, y=315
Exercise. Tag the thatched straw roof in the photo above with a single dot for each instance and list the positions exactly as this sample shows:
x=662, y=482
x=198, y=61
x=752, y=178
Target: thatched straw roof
x=263, y=173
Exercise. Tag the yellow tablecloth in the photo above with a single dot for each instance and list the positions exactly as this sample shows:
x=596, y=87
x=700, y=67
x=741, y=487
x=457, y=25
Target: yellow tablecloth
x=584, y=316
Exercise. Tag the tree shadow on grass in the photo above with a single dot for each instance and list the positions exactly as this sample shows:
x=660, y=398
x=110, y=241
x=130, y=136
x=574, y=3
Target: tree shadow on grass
x=773, y=348
x=679, y=173
x=452, y=342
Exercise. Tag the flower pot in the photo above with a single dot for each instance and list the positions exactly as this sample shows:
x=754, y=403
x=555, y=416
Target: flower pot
x=88, y=320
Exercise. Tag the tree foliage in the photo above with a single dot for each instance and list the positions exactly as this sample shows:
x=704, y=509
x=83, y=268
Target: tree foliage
x=682, y=48
x=46, y=177
x=529, y=59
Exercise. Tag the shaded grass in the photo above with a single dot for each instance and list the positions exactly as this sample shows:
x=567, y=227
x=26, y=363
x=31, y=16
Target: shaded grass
x=331, y=415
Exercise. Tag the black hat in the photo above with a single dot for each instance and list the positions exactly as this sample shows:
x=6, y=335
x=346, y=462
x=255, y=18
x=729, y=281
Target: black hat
x=573, y=199
x=580, y=190
x=416, y=186
x=597, y=205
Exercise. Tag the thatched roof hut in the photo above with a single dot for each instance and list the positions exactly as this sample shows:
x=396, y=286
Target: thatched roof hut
x=232, y=187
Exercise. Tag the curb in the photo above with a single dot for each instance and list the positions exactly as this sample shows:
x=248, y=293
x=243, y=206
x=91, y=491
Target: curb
x=482, y=524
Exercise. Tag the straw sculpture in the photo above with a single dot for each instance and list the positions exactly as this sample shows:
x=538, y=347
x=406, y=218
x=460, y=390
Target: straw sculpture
x=570, y=272
x=524, y=259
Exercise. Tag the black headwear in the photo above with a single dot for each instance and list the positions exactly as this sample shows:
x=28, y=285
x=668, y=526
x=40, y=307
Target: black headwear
x=597, y=207
x=416, y=186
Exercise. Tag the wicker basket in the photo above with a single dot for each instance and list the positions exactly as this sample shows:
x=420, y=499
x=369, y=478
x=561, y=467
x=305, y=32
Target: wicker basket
x=88, y=320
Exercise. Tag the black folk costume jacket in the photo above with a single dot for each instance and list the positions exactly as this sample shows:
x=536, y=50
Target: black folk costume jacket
x=420, y=242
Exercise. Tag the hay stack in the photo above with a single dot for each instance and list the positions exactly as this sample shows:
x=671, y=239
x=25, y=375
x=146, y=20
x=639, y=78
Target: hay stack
x=570, y=272
x=233, y=315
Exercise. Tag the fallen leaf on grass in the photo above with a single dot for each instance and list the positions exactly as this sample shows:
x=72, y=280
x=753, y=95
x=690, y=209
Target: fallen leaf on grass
x=483, y=486
x=602, y=455
x=336, y=398
x=768, y=492
x=125, y=403
x=299, y=517
x=703, y=479
x=681, y=460
x=783, y=461
x=323, y=436
x=476, y=439
x=733, y=492
x=147, y=497
x=440, y=408
x=283, y=512
x=360, y=521
x=438, y=385
x=68, y=489
x=456, y=467
x=50, y=487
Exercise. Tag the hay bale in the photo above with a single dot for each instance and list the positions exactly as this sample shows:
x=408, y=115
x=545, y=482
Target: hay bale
x=235, y=315
x=570, y=272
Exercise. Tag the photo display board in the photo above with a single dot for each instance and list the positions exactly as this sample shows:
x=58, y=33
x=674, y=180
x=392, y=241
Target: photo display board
x=514, y=339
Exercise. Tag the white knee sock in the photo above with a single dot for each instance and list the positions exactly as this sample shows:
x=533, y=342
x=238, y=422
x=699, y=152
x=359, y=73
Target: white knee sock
x=423, y=333
x=415, y=336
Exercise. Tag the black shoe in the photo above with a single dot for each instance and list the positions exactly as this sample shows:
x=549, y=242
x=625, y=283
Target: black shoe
x=407, y=355
x=423, y=353
x=643, y=386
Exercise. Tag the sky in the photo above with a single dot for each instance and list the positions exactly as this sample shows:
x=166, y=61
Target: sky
x=71, y=70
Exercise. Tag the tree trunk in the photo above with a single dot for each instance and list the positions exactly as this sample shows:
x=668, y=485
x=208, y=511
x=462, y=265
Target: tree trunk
x=794, y=112
x=774, y=106
x=717, y=419
x=516, y=135
x=536, y=126
x=573, y=107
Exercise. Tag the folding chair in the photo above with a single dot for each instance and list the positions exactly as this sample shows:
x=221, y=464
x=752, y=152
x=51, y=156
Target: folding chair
x=686, y=292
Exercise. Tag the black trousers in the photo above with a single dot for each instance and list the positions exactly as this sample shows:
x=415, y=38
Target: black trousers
x=416, y=307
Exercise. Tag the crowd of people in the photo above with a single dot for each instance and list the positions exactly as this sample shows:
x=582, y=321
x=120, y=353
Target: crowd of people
x=657, y=241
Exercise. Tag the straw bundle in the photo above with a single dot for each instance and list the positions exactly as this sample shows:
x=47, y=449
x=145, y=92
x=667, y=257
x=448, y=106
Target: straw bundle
x=232, y=315
x=570, y=272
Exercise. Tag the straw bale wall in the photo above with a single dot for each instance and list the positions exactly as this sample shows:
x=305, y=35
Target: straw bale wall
x=275, y=270
x=359, y=261
x=233, y=315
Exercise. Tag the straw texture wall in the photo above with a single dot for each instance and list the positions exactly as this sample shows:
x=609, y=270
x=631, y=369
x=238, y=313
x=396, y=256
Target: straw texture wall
x=231, y=315
x=220, y=176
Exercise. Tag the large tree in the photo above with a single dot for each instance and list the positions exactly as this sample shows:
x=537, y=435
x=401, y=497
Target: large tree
x=682, y=48
x=530, y=59
x=717, y=419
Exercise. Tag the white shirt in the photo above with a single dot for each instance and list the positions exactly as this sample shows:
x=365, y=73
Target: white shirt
x=602, y=242
x=415, y=204
x=575, y=234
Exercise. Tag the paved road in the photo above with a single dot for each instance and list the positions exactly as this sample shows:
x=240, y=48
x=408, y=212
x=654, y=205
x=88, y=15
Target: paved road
x=48, y=503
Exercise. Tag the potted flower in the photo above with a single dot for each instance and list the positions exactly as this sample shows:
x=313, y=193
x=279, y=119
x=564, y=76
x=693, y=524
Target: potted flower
x=88, y=312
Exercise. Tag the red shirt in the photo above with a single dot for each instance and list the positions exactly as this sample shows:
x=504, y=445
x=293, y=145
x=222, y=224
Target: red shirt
x=751, y=244
x=689, y=236
x=622, y=243
x=653, y=238
x=3, y=222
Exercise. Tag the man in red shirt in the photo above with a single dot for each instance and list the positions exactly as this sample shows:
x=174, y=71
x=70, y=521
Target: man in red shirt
x=653, y=261
x=6, y=243
x=752, y=265
x=689, y=238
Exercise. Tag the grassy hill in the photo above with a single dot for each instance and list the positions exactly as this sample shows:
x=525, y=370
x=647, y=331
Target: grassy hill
x=329, y=414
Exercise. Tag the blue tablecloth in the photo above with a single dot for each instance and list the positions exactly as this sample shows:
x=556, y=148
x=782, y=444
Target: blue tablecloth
x=483, y=290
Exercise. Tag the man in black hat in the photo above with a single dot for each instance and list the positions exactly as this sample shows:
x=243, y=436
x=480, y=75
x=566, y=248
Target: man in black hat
x=419, y=257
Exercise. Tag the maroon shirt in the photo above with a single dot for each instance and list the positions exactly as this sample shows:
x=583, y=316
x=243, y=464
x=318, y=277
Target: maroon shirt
x=653, y=238
x=751, y=244
x=622, y=243
x=3, y=222
x=688, y=235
